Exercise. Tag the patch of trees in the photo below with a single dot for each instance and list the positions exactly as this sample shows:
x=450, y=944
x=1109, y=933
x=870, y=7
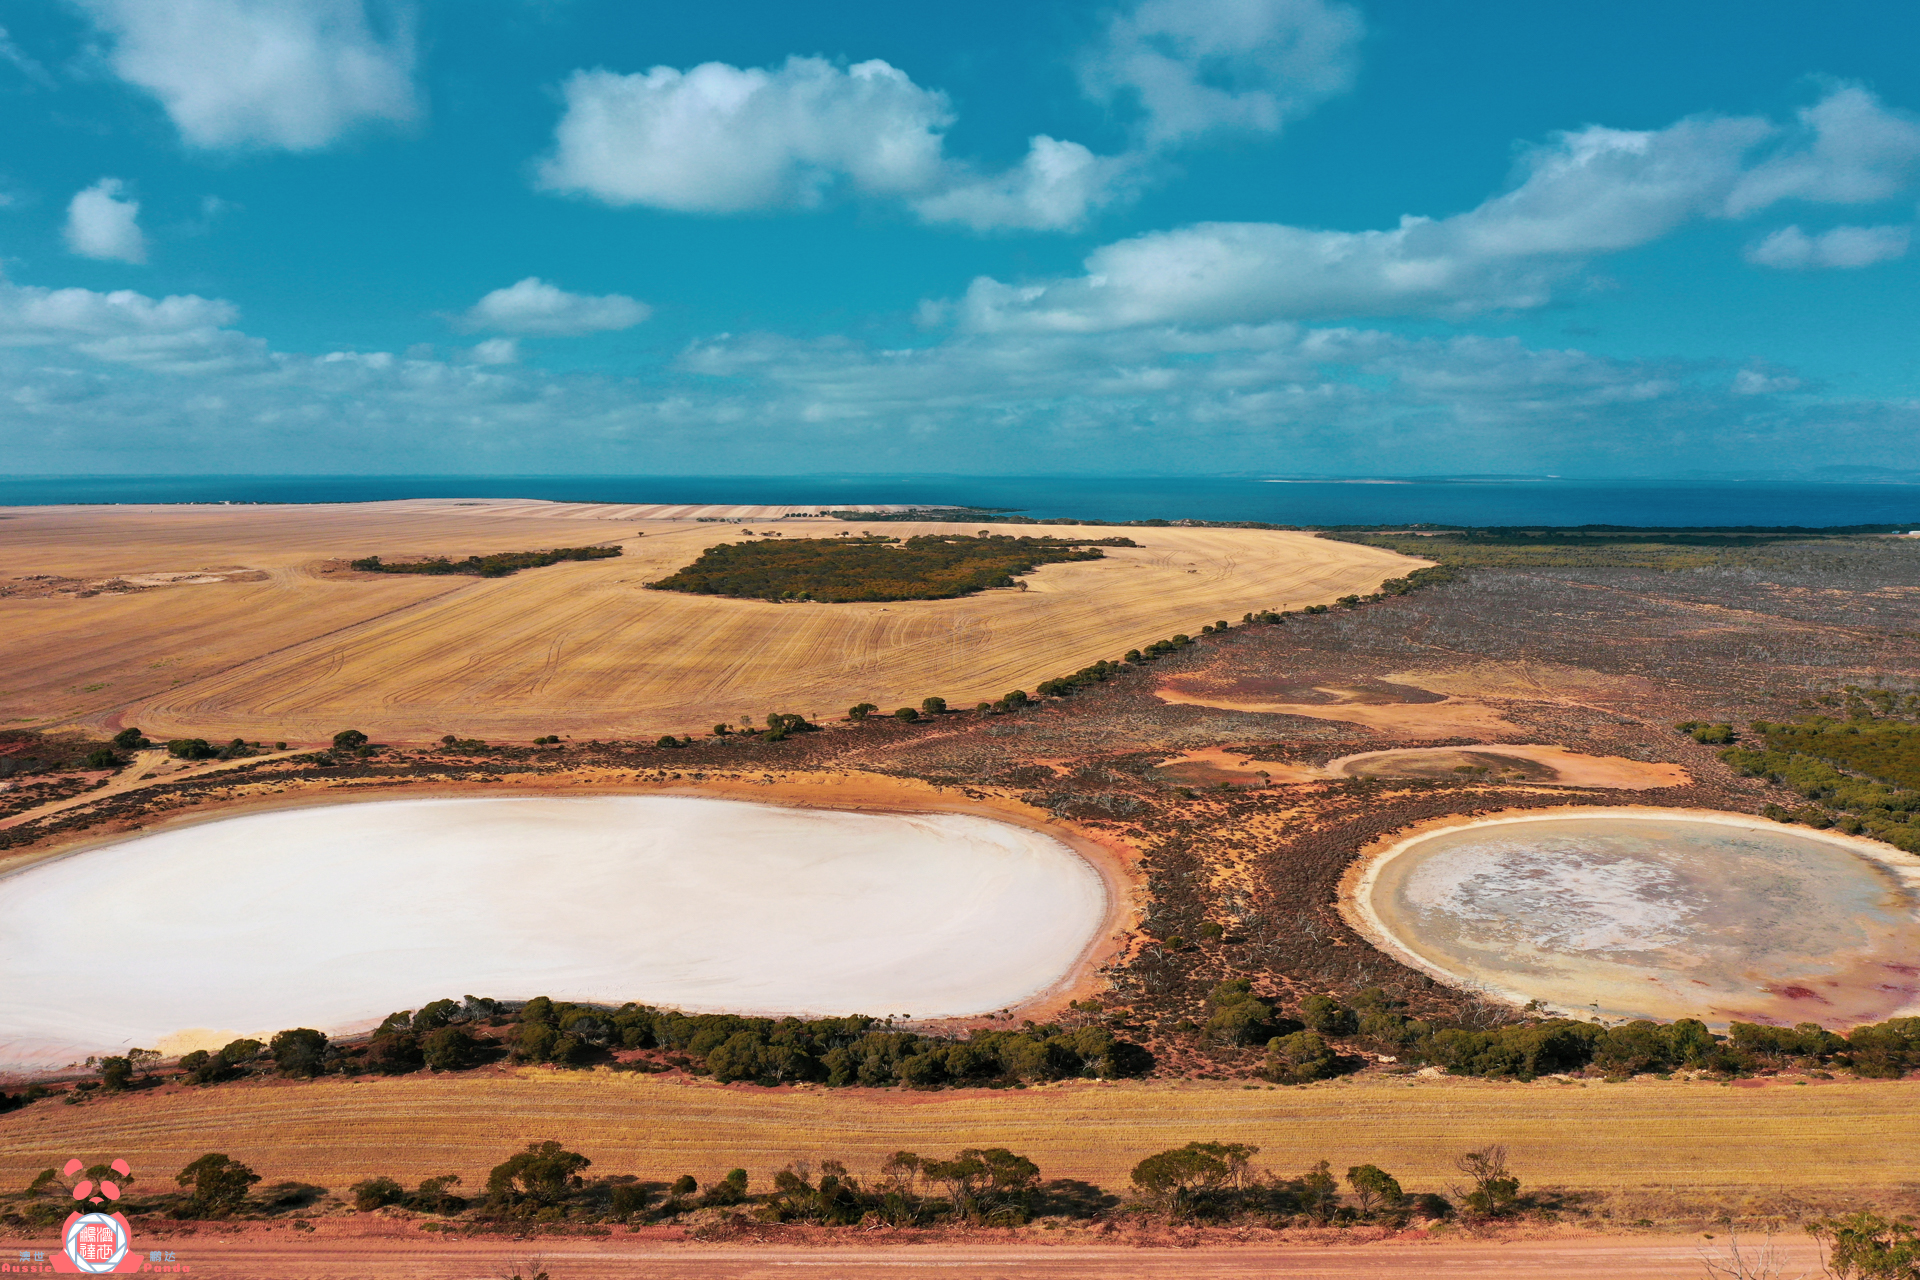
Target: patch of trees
x=873, y=568
x=1813, y=759
x=26, y=752
x=497, y=565
x=1302, y=1049
x=832, y=1051
x=1215, y=1181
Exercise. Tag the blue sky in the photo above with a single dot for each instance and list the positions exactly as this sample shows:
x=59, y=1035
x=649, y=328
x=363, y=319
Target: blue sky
x=1197, y=237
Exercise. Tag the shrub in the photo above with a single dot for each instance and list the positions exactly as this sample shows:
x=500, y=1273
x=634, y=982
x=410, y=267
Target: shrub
x=219, y=1185
x=1327, y=1016
x=861, y=710
x=129, y=738
x=1191, y=1180
x=376, y=1193
x=933, y=706
x=102, y=758
x=299, y=1052
x=906, y=714
x=191, y=749
x=1299, y=1058
x=349, y=740
x=540, y=1175
x=450, y=1049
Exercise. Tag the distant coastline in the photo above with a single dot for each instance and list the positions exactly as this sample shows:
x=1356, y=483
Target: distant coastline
x=1298, y=501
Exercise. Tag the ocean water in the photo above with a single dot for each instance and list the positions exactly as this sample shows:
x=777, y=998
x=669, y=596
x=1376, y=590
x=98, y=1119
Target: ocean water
x=1465, y=501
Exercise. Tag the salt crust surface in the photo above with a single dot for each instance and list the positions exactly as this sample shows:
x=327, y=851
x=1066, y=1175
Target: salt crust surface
x=328, y=917
x=1657, y=915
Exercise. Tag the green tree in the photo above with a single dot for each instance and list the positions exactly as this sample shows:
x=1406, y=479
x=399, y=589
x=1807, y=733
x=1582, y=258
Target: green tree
x=102, y=758
x=907, y=714
x=129, y=738
x=1299, y=1058
x=1865, y=1246
x=450, y=1049
x=1375, y=1189
x=1496, y=1192
x=1238, y=1017
x=1327, y=1016
x=1186, y=1180
x=376, y=1193
x=543, y=1173
x=115, y=1074
x=861, y=710
x=349, y=740
x=219, y=1184
x=934, y=706
x=301, y=1052
x=1319, y=1194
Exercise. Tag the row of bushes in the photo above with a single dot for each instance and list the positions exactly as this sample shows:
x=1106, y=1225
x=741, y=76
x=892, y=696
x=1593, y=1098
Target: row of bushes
x=1297, y=1051
x=497, y=565
x=831, y=1051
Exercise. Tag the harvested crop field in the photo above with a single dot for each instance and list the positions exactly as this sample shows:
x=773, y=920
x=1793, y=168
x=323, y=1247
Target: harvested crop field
x=300, y=645
x=1678, y=1139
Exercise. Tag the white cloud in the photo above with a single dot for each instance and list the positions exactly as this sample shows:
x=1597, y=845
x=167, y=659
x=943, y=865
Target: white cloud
x=1198, y=65
x=1754, y=382
x=496, y=351
x=1793, y=249
x=294, y=74
x=534, y=306
x=102, y=224
x=1587, y=192
x=722, y=139
x=1845, y=149
x=123, y=382
x=1056, y=186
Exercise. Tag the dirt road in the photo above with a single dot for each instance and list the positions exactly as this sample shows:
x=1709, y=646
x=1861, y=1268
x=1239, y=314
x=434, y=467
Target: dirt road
x=1598, y=1258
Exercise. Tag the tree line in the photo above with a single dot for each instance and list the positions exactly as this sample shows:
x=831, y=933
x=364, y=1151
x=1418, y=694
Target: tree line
x=1299, y=1050
x=497, y=565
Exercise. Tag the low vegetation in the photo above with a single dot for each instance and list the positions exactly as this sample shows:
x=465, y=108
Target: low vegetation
x=873, y=568
x=497, y=565
x=1595, y=547
x=1861, y=776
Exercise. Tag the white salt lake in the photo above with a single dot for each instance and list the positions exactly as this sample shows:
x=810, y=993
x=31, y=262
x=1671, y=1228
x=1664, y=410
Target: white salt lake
x=1651, y=913
x=334, y=916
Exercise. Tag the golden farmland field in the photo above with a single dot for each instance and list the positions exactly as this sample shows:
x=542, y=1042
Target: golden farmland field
x=1697, y=1139
x=304, y=648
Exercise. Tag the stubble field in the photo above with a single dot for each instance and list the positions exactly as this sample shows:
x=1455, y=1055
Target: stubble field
x=307, y=647
x=1661, y=1149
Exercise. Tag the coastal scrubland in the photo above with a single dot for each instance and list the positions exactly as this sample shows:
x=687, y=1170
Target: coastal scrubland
x=1813, y=652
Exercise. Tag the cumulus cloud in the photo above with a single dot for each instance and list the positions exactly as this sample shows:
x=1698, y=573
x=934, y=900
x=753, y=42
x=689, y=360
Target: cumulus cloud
x=724, y=139
x=1056, y=186
x=96, y=381
x=1194, y=66
x=1793, y=249
x=496, y=351
x=1848, y=148
x=292, y=74
x=1584, y=193
x=534, y=306
x=101, y=223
